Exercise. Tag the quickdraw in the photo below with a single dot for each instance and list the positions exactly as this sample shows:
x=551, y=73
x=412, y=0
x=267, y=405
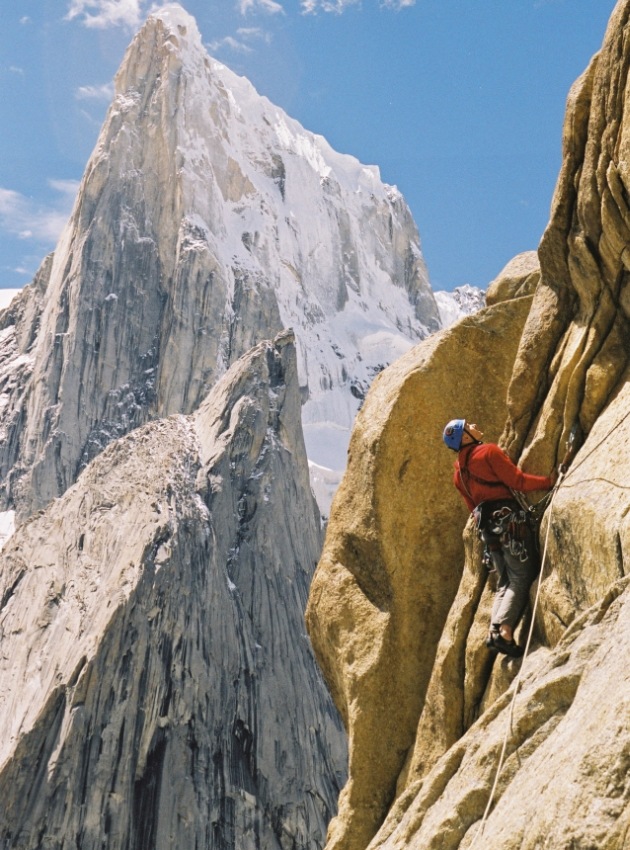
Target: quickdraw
x=513, y=530
x=507, y=528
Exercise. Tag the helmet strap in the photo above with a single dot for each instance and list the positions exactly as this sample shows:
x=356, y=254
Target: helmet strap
x=475, y=441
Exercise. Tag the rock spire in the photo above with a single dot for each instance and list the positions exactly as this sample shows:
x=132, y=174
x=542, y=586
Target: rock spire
x=207, y=220
x=157, y=688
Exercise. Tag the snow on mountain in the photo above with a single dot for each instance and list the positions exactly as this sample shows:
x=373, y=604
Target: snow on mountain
x=462, y=301
x=7, y=296
x=7, y=526
x=207, y=220
x=349, y=273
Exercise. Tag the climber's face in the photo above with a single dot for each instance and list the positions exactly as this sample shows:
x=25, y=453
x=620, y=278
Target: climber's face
x=472, y=432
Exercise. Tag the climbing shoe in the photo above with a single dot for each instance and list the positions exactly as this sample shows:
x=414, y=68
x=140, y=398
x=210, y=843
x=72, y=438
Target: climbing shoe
x=490, y=642
x=495, y=642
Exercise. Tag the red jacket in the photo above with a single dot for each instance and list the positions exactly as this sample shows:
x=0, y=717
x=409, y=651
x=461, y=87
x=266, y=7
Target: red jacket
x=483, y=472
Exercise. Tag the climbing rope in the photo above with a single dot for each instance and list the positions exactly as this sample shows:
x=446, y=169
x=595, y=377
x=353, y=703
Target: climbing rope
x=517, y=681
x=549, y=497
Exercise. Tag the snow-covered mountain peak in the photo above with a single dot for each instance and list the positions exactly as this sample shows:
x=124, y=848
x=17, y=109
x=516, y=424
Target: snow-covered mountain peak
x=462, y=301
x=177, y=19
x=208, y=219
x=174, y=40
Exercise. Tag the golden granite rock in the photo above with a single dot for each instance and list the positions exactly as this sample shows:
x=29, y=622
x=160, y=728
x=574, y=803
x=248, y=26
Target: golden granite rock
x=428, y=710
x=393, y=555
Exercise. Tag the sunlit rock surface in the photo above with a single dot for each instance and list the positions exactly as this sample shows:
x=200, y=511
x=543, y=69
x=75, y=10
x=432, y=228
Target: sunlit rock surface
x=392, y=559
x=518, y=278
x=401, y=635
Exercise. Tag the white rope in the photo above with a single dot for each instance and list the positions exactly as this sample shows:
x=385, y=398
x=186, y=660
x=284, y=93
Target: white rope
x=518, y=677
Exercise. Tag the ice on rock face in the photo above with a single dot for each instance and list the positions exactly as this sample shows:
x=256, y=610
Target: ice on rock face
x=7, y=526
x=208, y=220
x=462, y=301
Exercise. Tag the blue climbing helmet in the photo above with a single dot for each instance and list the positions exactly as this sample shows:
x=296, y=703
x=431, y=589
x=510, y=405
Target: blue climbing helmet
x=453, y=433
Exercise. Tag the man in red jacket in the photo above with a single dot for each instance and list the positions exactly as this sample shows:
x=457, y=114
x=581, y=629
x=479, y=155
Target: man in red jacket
x=486, y=478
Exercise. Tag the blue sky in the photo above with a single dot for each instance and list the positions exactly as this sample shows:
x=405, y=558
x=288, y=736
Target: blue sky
x=459, y=102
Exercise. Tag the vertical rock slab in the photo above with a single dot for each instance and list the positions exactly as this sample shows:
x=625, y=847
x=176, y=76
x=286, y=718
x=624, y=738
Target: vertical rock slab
x=574, y=348
x=393, y=556
x=565, y=778
x=588, y=543
x=157, y=688
x=564, y=782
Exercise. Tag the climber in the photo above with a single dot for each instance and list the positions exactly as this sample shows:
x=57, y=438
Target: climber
x=486, y=478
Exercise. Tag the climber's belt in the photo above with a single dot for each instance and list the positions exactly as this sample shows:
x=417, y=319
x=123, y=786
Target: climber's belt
x=504, y=525
x=490, y=515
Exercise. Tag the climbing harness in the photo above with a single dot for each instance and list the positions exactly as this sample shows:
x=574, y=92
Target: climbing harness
x=550, y=498
x=512, y=529
x=517, y=682
x=507, y=526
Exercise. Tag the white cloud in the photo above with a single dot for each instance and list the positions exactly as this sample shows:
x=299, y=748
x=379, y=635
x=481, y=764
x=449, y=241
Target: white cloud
x=311, y=7
x=104, y=92
x=91, y=120
x=69, y=188
x=231, y=43
x=246, y=37
x=101, y=14
x=25, y=20
x=254, y=34
x=269, y=7
x=28, y=219
x=16, y=70
x=8, y=200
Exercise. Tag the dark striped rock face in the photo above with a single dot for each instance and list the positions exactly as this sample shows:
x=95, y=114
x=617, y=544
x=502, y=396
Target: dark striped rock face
x=157, y=689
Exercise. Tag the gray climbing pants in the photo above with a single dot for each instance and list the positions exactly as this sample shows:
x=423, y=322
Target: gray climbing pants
x=515, y=574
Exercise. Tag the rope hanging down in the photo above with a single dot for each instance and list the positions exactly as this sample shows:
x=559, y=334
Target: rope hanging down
x=518, y=677
x=563, y=471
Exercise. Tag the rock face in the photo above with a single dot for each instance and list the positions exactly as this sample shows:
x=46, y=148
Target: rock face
x=520, y=277
x=398, y=617
x=157, y=689
x=206, y=221
x=390, y=570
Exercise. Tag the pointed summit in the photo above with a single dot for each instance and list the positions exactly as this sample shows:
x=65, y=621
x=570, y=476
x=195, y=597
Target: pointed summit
x=207, y=220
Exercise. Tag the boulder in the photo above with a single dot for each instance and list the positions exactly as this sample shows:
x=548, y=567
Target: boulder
x=518, y=278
